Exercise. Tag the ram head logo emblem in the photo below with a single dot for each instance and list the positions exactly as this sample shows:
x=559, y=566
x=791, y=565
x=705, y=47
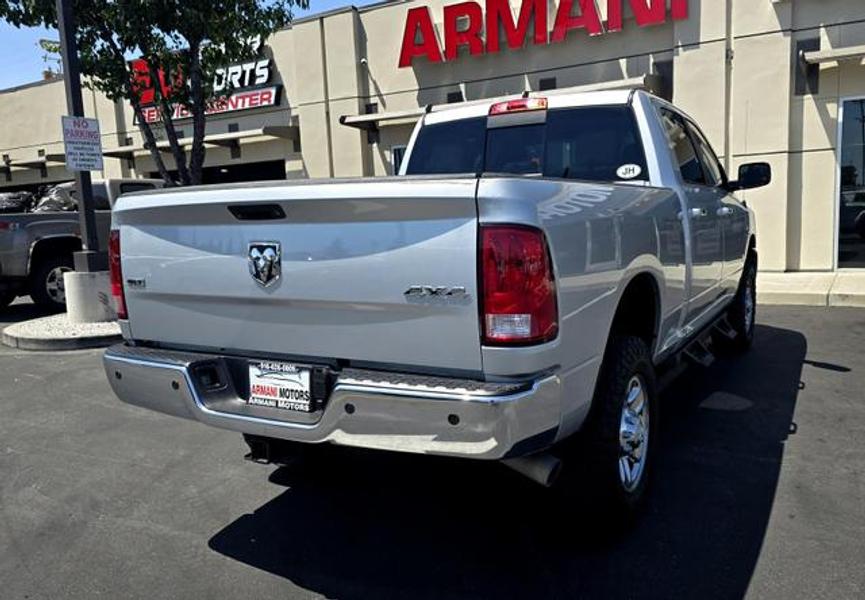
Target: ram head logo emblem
x=265, y=262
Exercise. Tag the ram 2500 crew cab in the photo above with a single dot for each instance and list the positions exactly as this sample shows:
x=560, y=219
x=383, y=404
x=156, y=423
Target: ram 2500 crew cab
x=537, y=263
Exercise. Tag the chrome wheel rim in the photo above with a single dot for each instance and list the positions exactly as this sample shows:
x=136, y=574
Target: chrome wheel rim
x=749, y=305
x=54, y=285
x=634, y=434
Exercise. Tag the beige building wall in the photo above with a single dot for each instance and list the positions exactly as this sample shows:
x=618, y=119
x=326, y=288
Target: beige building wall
x=31, y=118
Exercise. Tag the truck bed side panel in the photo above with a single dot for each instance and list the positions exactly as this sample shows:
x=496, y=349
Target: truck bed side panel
x=600, y=235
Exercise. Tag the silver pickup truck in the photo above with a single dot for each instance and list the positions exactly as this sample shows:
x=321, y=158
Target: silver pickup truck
x=537, y=265
x=36, y=247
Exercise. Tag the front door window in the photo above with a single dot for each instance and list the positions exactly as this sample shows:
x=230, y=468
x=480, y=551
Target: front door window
x=851, y=222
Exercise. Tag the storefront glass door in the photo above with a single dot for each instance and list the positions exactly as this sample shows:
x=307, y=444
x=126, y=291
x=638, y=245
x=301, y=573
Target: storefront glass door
x=851, y=221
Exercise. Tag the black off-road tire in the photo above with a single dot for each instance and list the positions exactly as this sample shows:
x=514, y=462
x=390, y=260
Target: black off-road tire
x=742, y=313
x=41, y=277
x=627, y=360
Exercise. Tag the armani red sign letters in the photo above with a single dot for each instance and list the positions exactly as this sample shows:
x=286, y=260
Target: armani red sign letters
x=464, y=22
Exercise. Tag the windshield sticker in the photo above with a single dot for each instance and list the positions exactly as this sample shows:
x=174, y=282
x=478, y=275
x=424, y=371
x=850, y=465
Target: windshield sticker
x=629, y=171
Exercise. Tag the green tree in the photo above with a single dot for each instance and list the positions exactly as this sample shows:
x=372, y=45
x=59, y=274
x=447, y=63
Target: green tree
x=185, y=40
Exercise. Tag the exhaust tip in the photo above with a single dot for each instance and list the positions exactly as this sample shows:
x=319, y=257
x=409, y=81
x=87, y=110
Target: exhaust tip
x=543, y=468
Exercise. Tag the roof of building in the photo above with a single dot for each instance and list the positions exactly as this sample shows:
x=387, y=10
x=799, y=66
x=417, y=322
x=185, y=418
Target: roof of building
x=39, y=82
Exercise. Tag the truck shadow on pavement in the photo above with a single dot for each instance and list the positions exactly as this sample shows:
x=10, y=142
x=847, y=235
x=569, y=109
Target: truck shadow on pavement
x=21, y=310
x=376, y=525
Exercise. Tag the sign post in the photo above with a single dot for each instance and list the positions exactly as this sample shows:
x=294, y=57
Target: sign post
x=81, y=159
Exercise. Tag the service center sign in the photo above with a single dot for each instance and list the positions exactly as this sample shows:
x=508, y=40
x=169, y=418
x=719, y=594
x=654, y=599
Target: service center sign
x=246, y=81
x=464, y=23
x=82, y=143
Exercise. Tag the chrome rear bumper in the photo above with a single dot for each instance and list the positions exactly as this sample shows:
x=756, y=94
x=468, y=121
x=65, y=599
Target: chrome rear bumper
x=369, y=409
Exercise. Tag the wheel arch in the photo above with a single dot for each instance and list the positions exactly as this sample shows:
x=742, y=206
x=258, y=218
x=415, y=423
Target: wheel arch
x=638, y=311
x=51, y=245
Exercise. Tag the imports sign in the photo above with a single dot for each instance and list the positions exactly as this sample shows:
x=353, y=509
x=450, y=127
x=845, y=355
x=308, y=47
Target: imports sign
x=477, y=26
x=82, y=143
x=243, y=86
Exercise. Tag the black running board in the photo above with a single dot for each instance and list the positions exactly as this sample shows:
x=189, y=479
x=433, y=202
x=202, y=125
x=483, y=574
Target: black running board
x=700, y=351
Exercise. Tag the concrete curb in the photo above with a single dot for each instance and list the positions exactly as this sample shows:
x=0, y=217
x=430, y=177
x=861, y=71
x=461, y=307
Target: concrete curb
x=56, y=333
x=24, y=343
x=843, y=288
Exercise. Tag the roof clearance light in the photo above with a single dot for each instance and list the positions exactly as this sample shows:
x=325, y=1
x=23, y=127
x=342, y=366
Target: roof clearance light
x=521, y=105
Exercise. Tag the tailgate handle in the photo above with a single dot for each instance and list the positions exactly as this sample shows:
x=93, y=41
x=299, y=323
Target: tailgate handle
x=257, y=212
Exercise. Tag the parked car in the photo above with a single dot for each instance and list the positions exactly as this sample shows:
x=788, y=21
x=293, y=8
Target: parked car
x=37, y=242
x=541, y=262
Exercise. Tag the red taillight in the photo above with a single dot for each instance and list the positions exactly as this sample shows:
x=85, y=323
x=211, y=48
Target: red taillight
x=116, y=273
x=521, y=105
x=519, y=291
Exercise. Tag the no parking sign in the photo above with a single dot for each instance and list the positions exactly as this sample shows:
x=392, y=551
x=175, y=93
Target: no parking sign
x=83, y=144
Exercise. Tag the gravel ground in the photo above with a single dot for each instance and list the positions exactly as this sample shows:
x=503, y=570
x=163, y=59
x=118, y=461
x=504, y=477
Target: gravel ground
x=60, y=327
x=57, y=332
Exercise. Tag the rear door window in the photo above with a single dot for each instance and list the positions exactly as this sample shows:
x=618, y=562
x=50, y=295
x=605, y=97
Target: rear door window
x=683, y=149
x=711, y=165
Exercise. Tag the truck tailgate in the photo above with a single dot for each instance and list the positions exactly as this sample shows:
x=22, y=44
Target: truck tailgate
x=350, y=250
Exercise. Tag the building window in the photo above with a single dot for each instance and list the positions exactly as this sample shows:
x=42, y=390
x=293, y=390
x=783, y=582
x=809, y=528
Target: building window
x=397, y=153
x=851, y=221
x=454, y=97
x=547, y=83
x=665, y=69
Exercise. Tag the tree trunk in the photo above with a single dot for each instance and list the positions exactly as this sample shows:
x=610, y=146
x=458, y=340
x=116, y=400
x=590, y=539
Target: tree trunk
x=165, y=113
x=150, y=141
x=134, y=99
x=197, y=108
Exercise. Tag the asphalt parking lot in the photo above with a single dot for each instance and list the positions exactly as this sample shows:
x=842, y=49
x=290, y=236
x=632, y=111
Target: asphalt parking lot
x=760, y=493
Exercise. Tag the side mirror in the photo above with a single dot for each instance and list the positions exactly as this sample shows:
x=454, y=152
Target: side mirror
x=752, y=175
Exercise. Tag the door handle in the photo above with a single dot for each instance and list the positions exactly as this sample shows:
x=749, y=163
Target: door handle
x=698, y=213
x=725, y=211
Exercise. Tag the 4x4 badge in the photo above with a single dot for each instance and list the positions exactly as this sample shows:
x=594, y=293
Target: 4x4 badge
x=265, y=262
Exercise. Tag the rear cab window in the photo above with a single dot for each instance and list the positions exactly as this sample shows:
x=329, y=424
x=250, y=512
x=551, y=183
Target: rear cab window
x=129, y=188
x=595, y=143
x=100, y=197
x=98, y=193
x=449, y=148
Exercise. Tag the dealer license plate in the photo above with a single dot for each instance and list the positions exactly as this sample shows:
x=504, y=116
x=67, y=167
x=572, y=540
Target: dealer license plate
x=280, y=385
